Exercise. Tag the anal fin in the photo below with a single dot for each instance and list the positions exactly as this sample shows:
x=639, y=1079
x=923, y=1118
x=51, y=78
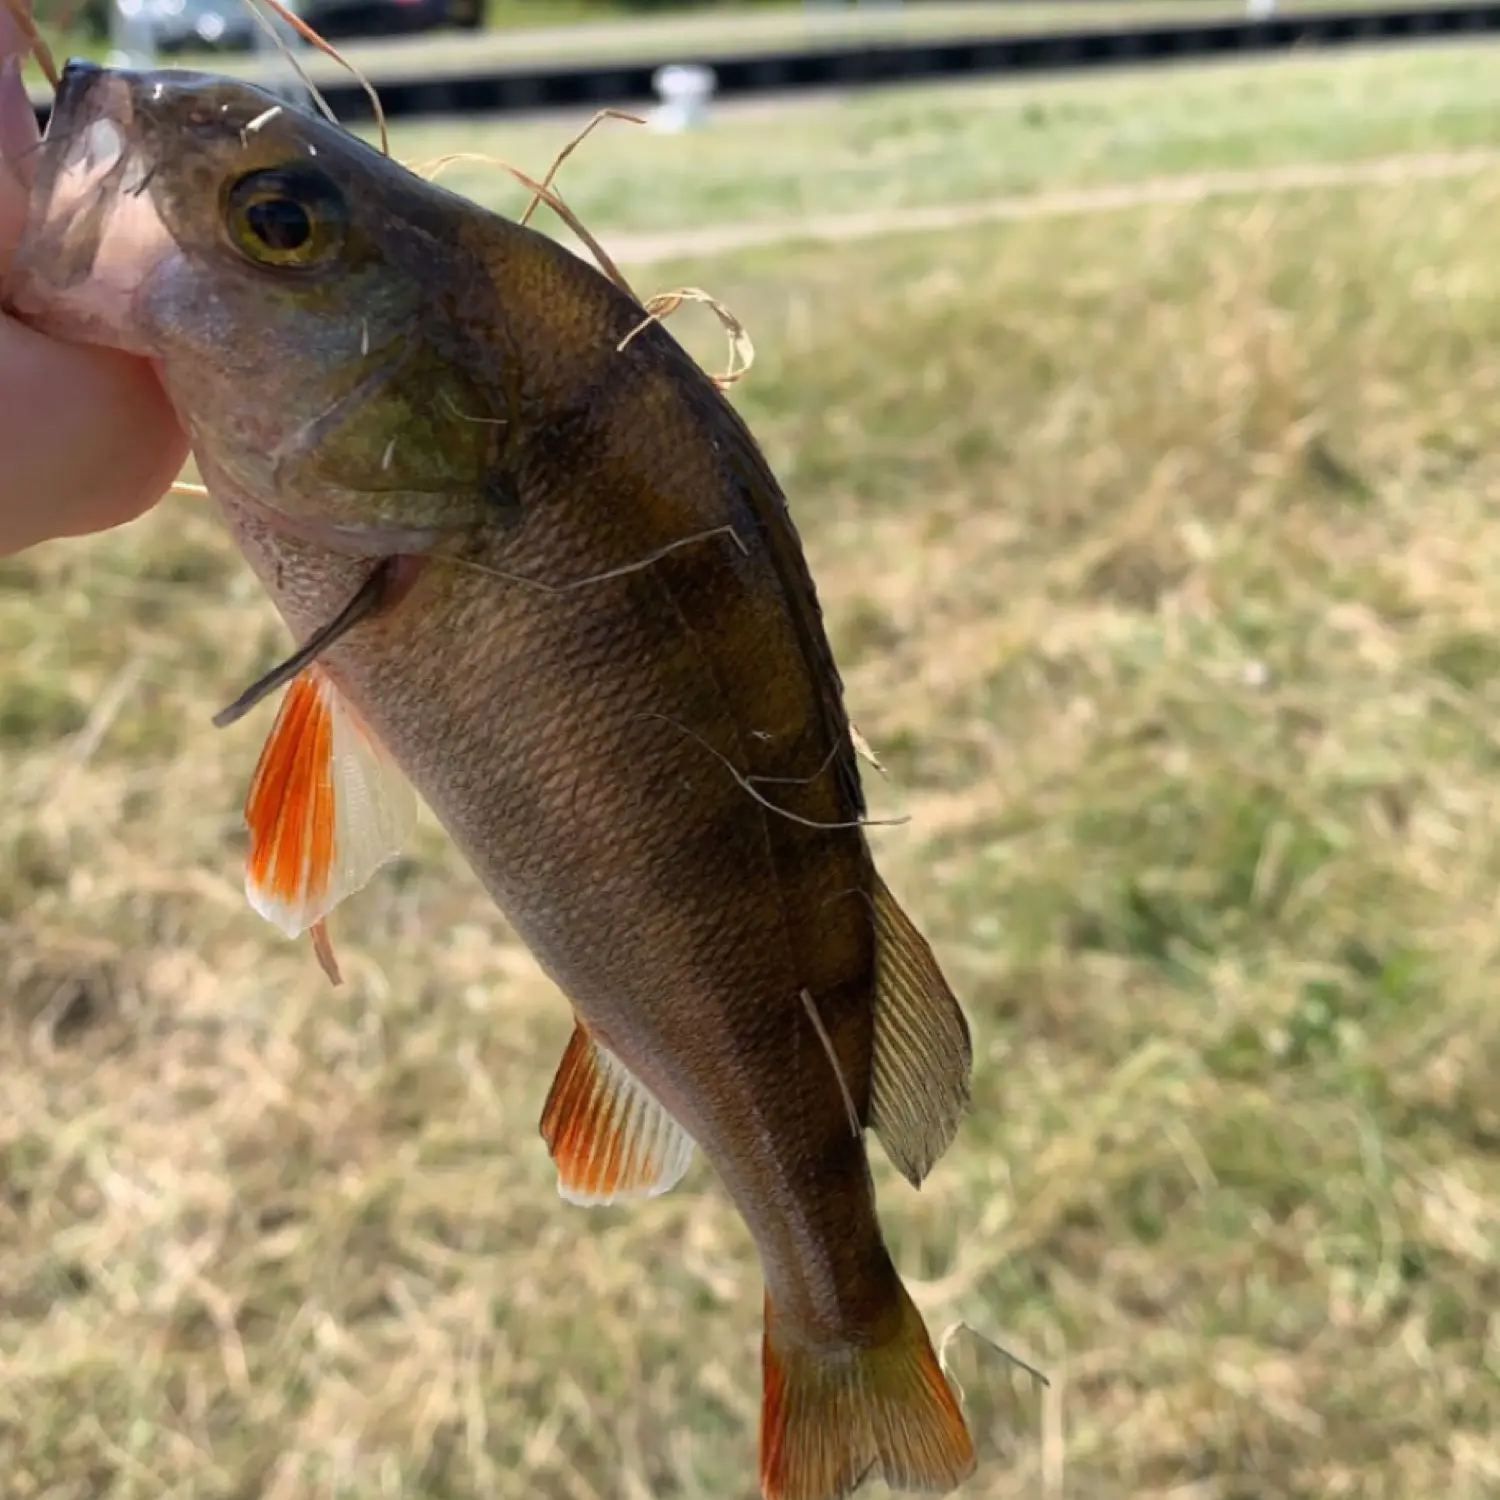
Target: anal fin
x=919, y=1086
x=609, y=1136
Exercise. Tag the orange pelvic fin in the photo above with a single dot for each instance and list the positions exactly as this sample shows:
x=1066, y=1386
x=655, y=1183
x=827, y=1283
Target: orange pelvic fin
x=609, y=1136
x=919, y=1085
x=830, y=1418
x=326, y=809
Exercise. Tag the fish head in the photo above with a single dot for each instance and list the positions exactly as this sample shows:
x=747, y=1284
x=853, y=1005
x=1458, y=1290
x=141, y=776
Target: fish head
x=311, y=305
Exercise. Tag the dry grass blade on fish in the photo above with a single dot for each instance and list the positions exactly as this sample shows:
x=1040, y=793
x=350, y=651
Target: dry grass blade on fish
x=751, y=784
x=951, y=1333
x=541, y=192
x=313, y=39
x=431, y=169
x=658, y=307
x=600, y=116
x=741, y=350
x=590, y=580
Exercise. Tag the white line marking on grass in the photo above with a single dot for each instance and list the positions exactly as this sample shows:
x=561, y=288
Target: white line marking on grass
x=651, y=249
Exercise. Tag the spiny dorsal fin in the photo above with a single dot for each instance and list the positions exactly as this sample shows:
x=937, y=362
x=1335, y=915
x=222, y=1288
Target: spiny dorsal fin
x=919, y=1087
x=608, y=1135
x=327, y=807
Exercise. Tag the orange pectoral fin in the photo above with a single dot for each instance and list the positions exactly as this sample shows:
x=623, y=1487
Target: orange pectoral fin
x=326, y=809
x=609, y=1136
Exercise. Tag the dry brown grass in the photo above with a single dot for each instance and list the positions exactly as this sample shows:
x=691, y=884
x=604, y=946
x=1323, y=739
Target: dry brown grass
x=1162, y=553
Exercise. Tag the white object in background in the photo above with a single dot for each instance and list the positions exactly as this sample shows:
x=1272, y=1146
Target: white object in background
x=684, y=90
x=1259, y=10
x=132, y=37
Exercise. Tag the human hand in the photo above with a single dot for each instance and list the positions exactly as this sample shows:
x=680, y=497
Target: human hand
x=88, y=439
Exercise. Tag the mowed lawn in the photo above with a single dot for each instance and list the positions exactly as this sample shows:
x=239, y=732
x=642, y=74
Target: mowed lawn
x=885, y=151
x=1162, y=552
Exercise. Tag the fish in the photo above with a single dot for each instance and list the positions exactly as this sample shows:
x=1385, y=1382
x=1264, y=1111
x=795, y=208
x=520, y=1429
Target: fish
x=546, y=584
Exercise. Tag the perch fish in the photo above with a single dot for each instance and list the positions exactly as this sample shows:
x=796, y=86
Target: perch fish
x=545, y=579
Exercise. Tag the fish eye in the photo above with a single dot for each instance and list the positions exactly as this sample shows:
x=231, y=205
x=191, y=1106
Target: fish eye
x=286, y=217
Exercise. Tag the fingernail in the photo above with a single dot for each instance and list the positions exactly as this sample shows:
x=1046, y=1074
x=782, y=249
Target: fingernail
x=18, y=130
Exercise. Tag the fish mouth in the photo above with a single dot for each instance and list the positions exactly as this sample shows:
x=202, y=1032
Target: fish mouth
x=92, y=233
x=82, y=158
x=80, y=79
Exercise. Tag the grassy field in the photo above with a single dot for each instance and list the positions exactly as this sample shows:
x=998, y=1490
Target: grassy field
x=1162, y=552
x=896, y=150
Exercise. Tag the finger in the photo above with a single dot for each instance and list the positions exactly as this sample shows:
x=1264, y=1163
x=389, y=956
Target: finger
x=89, y=437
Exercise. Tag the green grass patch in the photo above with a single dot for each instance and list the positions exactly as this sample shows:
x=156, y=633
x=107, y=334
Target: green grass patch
x=888, y=151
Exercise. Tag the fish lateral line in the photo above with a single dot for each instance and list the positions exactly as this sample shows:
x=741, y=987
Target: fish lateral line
x=747, y=785
x=622, y=571
x=388, y=582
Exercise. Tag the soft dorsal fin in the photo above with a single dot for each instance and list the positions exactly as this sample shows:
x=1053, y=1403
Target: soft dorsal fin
x=919, y=1087
x=609, y=1136
x=327, y=807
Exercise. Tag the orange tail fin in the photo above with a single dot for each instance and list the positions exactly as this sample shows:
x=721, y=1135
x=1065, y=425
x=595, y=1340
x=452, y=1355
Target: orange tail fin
x=830, y=1418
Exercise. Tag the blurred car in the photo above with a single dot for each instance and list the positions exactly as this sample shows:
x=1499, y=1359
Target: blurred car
x=228, y=26
x=195, y=25
x=346, y=18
